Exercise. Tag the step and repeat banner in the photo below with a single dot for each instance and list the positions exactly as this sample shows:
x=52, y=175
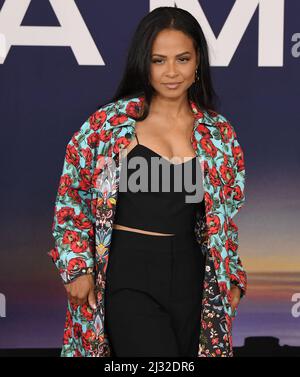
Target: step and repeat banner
x=60, y=59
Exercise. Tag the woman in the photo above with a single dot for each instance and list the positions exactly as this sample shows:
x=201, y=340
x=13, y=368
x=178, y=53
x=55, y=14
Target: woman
x=152, y=273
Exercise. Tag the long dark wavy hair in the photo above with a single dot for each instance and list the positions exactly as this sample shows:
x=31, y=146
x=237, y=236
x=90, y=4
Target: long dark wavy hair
x=137, y=70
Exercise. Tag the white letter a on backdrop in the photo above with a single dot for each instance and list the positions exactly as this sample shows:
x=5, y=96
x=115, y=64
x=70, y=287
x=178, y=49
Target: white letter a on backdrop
x=72, y=33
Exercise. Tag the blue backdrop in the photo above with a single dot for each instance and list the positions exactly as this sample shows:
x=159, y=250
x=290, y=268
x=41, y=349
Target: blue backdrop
x=60, y=60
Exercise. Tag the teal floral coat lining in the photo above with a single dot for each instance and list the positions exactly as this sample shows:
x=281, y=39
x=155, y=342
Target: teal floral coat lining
x=84, y=214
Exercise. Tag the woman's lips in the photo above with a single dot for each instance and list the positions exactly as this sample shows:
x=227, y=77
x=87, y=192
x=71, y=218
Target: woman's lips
x=172, y=86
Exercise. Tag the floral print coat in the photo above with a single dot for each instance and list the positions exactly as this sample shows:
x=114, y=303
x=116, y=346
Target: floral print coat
x=84, y=213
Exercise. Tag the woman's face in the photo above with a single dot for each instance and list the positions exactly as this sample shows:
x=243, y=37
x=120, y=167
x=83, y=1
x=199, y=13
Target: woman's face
x=173, y=60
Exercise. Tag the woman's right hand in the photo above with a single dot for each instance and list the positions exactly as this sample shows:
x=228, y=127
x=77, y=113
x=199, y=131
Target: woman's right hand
x=82, y=290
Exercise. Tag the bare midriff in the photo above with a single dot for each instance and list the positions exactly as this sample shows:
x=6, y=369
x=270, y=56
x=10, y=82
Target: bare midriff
x=122, y=227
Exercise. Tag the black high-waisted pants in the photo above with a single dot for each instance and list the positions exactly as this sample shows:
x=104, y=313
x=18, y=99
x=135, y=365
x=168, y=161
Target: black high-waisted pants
x=153, y=295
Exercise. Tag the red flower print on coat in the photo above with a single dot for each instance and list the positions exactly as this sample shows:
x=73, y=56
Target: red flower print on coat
x=82, y=222
x=133, y=109
x=76, y=264
x=74, y=140
x=88, y=157
x=209, y=147
x=87, y=312
x=65, y=214
x=54, y=254
x=67, y=335
x=77, y=330
x=64, y=184
x=79, y=246
x=105, y=136
x=208, y=201
x=122, y=141
x=232, y=224
x=72, y=155
x=74, y=195
x=214, y=177
x=216, y=254
x=238, y=155
x=93, y=140
x=87, y=339
x=213, y=224
x=77, y=353
x=117, y=119
x=97, y=120
x=85, y=179
x=230, y=245
x=238, y=194
x=225, y=130
x=70, y=236
x=221, y=196
x=227, y=174
x=227, y=191
x=203, y=130
x=227, y=264
x=222, y=287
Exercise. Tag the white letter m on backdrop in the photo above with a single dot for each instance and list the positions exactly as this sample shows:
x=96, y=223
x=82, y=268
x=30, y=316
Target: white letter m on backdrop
x=222, y=48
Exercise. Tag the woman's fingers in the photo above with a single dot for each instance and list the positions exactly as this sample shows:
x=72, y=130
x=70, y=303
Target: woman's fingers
x=81, y=291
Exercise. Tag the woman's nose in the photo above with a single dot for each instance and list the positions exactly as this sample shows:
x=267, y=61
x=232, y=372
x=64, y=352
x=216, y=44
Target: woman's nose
x=171, y=68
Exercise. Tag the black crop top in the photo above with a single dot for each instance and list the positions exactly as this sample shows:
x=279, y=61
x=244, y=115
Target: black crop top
x=165, y=201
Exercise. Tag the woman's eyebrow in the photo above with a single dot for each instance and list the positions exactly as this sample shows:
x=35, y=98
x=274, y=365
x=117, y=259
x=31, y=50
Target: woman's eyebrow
x=164, y=56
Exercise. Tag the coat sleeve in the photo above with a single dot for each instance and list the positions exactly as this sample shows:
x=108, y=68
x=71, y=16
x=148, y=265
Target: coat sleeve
x=73, y=224
x=235, y=194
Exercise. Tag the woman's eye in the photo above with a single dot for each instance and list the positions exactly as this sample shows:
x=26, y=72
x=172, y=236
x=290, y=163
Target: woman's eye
x=160, y=60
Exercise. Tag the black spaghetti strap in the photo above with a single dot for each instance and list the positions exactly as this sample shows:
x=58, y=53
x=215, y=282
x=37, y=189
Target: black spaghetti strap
x=137, y=138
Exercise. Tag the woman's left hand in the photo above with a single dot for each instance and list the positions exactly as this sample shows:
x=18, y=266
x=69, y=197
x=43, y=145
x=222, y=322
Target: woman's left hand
x=236, y=296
